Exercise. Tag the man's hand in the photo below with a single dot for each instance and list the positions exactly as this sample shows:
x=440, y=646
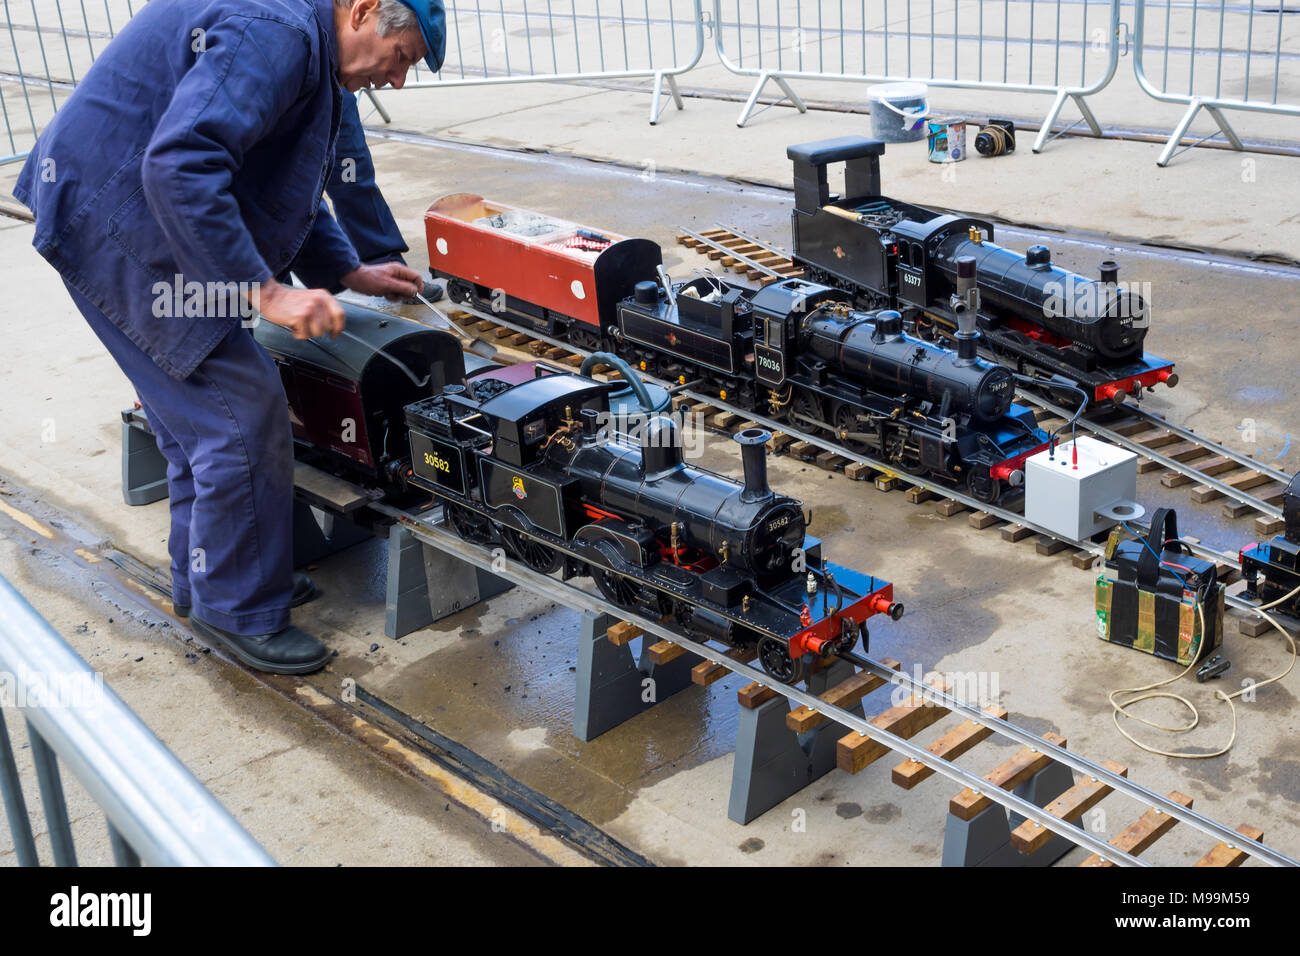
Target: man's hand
x=391, y=279
x=306, y=313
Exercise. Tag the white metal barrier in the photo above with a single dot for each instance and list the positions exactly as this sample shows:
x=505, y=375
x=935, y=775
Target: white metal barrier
x=1209, y=54
x=1068, y=48
x=1218, y=55
x=494, y=42
x=158, y=812
x=50, y=46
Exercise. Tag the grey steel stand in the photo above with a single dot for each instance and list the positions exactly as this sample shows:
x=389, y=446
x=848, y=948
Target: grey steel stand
x=426, y=585
x=318, y=534
x=985, y=839
x=772, y=761
x=144, y=469
x=612, y=687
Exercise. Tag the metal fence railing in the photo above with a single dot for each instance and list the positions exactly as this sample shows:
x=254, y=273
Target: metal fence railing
x=1214, y=55
x=46, y=47
x=1067, y=48
x=158, y=813
x=1218, y=56
x=494, y=42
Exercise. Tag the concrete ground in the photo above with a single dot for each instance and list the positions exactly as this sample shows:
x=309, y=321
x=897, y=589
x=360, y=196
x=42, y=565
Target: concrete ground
x=309, y=795
x=498, y=677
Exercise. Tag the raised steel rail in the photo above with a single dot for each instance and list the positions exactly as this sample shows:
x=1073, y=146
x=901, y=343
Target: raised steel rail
x=739, y=257
x=158, y=812
x=775, y=250
x=571, y=596
x=1188, y=434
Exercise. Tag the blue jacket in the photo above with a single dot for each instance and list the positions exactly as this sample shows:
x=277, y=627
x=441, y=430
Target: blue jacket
x=202, y=154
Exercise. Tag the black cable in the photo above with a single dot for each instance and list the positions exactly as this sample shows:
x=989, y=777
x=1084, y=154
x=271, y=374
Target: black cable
x=1067, y=386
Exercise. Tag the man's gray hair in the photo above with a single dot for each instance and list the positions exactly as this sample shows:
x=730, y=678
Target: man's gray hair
x=394, y=17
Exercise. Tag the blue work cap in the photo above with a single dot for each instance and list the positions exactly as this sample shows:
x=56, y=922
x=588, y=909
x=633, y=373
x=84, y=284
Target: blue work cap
x=433, y=27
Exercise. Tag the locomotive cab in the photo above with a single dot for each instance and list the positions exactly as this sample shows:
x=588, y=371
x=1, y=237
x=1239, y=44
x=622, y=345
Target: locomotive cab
x=522, y=418
x=921, y=282
x=851, y=239
x=346, y=400
x=778, y=310
x=712, y=306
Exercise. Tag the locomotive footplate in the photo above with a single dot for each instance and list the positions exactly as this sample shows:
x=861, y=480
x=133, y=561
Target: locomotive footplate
x=1102, y=382
x=819, y=612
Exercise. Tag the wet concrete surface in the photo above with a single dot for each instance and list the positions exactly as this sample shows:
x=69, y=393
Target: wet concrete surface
x=308, y=795
x=974, y=602
x=499, y=678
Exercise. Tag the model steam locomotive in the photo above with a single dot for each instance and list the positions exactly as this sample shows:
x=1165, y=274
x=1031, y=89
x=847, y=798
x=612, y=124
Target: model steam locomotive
x=1035, y=317
x=799, y=352
x=1272, y=568
x=532, y=458
x=794, y=350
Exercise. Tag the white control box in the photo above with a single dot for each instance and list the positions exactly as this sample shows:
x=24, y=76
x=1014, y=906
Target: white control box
x=1080, y=499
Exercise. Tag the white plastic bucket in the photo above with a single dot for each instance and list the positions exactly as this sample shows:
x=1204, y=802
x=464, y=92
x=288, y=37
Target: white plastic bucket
x=898, y=111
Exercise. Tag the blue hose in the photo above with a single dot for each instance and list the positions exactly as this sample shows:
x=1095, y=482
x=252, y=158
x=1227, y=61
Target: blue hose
x=633, y=380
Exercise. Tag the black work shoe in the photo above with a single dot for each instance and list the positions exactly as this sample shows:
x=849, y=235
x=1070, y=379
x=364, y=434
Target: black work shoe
x=304, y=590
x=433, y=290
x=289, y=651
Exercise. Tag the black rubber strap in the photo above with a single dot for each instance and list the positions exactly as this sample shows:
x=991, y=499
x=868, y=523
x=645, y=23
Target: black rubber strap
x=1164, y=527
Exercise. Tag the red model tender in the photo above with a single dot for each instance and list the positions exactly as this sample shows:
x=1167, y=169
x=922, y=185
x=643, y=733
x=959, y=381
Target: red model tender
x=552, y=275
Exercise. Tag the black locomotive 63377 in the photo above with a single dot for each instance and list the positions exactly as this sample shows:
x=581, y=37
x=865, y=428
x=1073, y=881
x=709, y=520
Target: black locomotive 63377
x=540, y=468
x=798, y=351
x=1035, y=317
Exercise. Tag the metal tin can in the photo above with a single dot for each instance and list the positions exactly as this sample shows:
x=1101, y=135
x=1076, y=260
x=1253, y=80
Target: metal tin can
x=947, y=140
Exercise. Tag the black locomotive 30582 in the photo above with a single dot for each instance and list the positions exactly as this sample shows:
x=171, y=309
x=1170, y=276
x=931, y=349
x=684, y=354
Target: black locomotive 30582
x=538, y=468
x=798, y=351
x=1037, y=318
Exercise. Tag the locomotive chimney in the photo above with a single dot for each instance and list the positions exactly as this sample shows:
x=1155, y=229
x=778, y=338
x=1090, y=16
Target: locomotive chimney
x=1109, y=272
x=966, y=304
x=661, y=447
x=753, y=454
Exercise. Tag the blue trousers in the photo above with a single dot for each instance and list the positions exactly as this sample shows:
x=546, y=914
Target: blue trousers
x=224, y=431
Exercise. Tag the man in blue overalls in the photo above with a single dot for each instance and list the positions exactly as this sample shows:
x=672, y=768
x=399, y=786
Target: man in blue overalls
x=192, y=156
x=359, y=206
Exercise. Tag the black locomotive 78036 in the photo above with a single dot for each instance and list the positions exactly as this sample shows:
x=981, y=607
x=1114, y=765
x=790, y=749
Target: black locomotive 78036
x=1035, y=317
x=798, y=351
x=532, y=458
